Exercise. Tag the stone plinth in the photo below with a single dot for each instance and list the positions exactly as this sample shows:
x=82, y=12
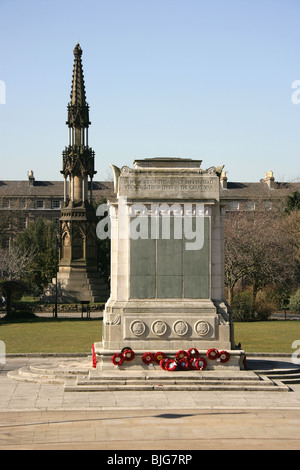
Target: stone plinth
x=167, y=260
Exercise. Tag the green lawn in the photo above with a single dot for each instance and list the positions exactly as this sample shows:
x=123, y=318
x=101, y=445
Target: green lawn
x=51, y=336
x=269, y=336
x=71, y=336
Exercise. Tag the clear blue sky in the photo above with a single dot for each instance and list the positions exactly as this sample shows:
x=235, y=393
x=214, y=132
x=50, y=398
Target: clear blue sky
x=208, y=79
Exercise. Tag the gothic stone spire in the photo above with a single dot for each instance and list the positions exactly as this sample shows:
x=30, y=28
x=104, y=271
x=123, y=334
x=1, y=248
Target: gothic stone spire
x=78, y=109
x=78, y=157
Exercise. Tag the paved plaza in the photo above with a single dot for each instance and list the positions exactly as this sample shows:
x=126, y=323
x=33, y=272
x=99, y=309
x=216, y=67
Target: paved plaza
x=43, y=416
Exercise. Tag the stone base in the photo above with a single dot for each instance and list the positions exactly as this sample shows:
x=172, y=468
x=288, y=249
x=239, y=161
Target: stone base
x=104, y=363
x=77, y=285
x=166, y=324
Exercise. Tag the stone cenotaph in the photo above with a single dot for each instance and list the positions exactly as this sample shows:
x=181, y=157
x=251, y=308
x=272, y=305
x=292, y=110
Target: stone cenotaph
x=167, y=262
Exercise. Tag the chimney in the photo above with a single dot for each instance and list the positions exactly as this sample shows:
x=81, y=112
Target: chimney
x=31, y=178
x=269, y=179
x=223, y=180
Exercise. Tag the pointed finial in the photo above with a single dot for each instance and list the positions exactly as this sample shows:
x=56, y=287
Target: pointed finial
x=77, y=51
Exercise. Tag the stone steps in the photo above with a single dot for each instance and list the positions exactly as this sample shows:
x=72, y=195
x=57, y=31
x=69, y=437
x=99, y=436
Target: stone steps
x=79, y=376
x=289, y=376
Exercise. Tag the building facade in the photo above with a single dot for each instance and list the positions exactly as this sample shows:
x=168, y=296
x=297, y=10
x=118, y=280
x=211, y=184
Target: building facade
x=22, y=202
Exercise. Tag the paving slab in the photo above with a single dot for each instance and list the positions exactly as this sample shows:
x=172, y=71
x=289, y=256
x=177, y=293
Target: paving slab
x=43, y=416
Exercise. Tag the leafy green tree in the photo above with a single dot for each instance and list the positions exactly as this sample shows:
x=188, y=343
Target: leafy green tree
x=40, y=237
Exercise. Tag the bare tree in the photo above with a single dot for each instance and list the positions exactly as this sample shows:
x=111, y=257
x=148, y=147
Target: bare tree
x=13, y=267
x=258, y=250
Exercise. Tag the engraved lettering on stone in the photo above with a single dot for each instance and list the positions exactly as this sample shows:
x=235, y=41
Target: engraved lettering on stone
x=159, y=327
x=202, y=328
x=137, y=327
x=180, y=327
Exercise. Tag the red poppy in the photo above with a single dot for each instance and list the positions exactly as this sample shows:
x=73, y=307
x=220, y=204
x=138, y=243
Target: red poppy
x=212, y=354
x=117, y=359
x=193, y=353
x=158, y=356
x=181, y=355
x=128, y=354
x=192, y=363
x=171, y=365
x=148, y=358
x=200, y=363
x=183, y=364
x=94, y=357
x=163, y=363
x=224, y=356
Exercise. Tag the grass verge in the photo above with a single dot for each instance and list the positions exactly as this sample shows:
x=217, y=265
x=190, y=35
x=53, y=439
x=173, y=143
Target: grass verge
x=51, y=336
x=77, y=335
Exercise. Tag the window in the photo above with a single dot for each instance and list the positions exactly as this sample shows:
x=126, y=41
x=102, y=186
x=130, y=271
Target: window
x=22, y=223
x=234, y=205
x=56, y=204
x=268, y=205
x=39, y=204
x=5, y=203
x=250, y=205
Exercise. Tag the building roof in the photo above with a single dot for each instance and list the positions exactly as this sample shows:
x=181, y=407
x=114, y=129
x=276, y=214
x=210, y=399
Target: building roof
x=259, y=190
x=48, y=189
x=235, y=190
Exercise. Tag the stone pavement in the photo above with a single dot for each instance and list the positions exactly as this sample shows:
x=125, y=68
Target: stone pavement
x=43, y=416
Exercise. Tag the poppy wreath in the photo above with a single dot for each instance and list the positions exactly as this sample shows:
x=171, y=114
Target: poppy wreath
x=158, y=356
x=171, y=365
x=163, y=363
x=193, y=353
x=181, y=355
x=213, y=354
x=148, y=358
x=200, y=363
x=94, y=357
x=128, y=354
x=224, y=356
x=117, y=359
x=183, y=363
x=192, y=363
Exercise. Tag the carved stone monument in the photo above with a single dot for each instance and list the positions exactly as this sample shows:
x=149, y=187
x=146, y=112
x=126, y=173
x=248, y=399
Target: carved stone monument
x=167, y=261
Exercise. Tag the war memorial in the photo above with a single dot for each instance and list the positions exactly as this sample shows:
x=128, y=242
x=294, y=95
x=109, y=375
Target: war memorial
x=167, y=264
x=166, y=324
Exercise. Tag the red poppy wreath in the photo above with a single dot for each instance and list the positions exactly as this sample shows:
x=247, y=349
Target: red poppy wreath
x=158, y=356
x=117, y=359
x=224, y=356
x=212, y=354
x=148, y=358
x=193, y=353
x=200, y=363
x=181, y=355
x=128, y=354
x=171, y=365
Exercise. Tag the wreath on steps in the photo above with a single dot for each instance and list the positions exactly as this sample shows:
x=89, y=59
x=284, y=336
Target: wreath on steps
x=183, y=360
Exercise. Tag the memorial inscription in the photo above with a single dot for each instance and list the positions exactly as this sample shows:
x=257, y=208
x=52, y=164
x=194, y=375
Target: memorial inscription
x=174, y=186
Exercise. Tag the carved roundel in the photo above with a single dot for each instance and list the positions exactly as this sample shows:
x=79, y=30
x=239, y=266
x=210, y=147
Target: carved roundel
x=202, y=328
x=159, y=327
x=138, y=327
x=180, y=327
